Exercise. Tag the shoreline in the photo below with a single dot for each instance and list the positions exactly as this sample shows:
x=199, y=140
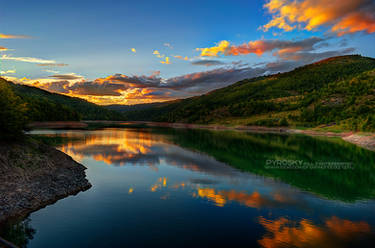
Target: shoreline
x=33, y=176
x=364, y=140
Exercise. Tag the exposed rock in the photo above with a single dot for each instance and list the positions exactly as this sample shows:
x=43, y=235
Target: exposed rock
x=33, y=175
x=366, y=141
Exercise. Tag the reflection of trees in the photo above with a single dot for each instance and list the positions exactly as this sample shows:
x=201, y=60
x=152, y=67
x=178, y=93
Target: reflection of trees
x=19, y=233
x=333, y=232
x=249, y=152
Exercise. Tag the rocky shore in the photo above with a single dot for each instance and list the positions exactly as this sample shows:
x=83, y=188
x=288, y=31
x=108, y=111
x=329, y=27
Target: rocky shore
x=33, y=175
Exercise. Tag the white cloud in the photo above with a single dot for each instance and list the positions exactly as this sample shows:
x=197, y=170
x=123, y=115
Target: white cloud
x=27, y=59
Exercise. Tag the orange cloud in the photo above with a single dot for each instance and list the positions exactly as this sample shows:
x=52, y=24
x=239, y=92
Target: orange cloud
x=343, y=16
x=259, y=47
x=335, y=232
x=2, y=49
x=355, y=23
x=10, y=36
x=253, y=200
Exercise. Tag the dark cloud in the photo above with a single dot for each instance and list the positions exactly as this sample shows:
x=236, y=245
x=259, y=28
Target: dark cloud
x=154, y=87
x=207, y=62
x=60, y=86
x=66, y=77
x=202, y=82
x=300, y=59
x=134, y=81
x=308, y=57
x=94, y=88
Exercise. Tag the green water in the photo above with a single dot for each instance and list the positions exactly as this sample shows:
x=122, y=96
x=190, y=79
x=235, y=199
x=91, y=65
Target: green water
x=198, y=188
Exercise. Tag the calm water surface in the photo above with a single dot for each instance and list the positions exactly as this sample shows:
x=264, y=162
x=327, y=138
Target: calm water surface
x=186, y=188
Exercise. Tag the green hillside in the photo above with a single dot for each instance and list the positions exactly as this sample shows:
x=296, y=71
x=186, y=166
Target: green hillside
x=46, y=106
x=335, y=91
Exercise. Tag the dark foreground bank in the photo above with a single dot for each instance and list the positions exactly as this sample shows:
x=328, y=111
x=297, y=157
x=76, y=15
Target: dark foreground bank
x=33, y=175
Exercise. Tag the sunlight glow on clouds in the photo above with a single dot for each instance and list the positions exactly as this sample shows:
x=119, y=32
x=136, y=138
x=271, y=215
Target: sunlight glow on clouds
x=283, y=49
x=10, y=36
x=339, y=17
x=343, y=16
x=123, y=89
x=222, y=47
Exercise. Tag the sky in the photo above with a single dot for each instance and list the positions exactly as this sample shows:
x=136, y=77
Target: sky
x=130, y=52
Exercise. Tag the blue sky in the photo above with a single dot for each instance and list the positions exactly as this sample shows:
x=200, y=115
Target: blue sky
x=94, y=38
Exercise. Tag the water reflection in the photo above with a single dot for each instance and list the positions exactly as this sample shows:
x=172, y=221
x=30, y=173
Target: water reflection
x=209, y=189
x=251, y=153
x=19, y=232
x=333, y=232
x=248, y=152
x=140, y=147
x=113, y=147
x=253, y=200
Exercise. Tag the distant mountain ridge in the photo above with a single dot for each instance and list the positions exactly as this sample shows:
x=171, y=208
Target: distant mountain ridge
x=338, y=90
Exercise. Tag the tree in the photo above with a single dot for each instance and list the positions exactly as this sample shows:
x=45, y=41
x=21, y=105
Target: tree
x=12, y=113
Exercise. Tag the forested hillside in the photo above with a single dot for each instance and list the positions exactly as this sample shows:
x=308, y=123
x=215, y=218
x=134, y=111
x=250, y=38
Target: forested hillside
x=46, y=106
x=335, y=91
x=339, y=91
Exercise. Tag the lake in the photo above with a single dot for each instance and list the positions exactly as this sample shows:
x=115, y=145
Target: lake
x=200, y=188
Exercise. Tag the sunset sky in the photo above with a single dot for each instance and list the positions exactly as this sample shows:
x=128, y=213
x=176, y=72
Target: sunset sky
x=129, y=52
